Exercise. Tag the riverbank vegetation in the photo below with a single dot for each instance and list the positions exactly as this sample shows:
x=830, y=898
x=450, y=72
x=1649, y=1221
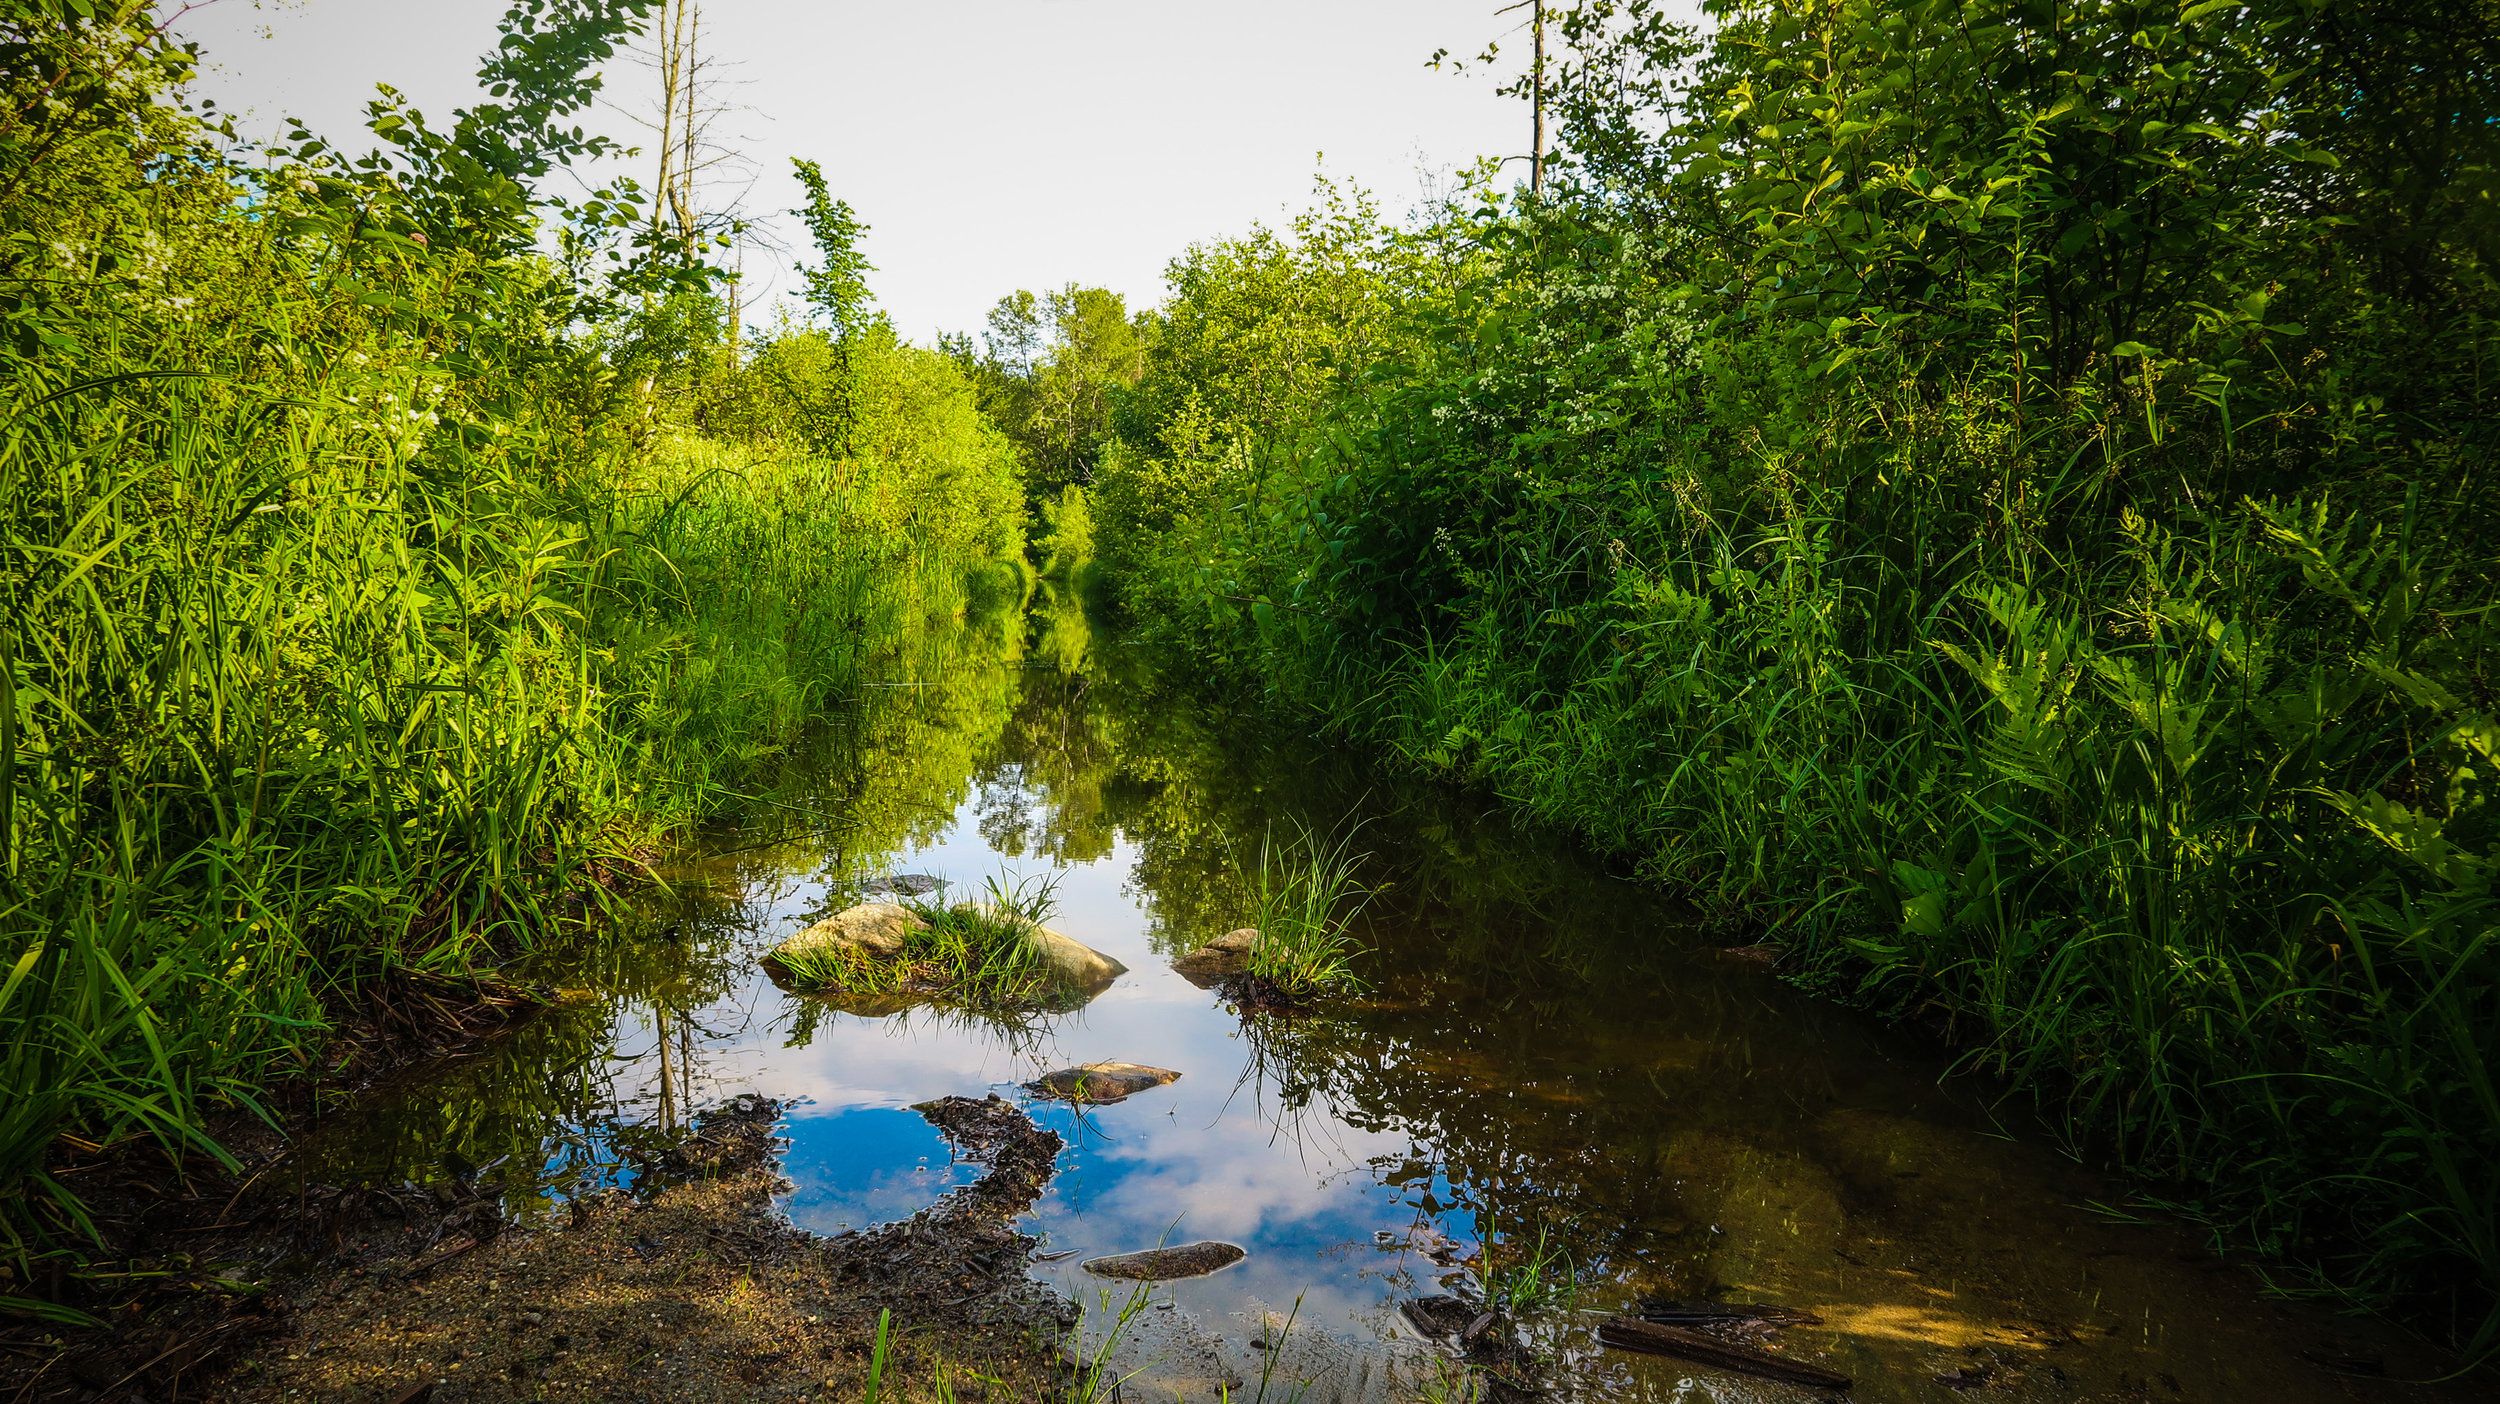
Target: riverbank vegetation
x=1998, y=502
x=364, y=606
x=1994, y=501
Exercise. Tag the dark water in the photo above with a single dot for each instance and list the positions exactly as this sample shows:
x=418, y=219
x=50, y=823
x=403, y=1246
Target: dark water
x=1548, y=1058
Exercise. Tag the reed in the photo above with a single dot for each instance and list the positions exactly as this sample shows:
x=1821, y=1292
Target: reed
x=1305, y=896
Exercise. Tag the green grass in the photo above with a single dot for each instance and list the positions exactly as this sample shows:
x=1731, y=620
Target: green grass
x=288, y=702
x=1518, y=1274
x=971, y=955
x=2188, y=840
x=876, y=1359
x=1304, y=897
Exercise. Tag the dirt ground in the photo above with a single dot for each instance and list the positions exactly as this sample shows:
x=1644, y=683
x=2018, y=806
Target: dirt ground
x=698, y=1291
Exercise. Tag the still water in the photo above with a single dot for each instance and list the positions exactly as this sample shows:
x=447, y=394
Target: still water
x=1548, y=1059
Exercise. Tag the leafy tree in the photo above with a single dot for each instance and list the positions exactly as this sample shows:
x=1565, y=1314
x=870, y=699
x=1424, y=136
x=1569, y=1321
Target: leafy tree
x=837, y=287
x=1053, y=375
x=1096, y=354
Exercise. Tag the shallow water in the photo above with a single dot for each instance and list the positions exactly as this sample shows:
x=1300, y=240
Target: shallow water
x=1547, y=1057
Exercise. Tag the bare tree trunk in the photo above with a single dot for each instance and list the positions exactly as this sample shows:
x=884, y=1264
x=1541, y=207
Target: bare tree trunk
x=681, y=198
x=1536, y=153
x=672, y=64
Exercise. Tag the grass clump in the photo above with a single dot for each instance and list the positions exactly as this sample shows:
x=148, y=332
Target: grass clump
x=1516, y=1273
x=975, y=954
x=1305, y=899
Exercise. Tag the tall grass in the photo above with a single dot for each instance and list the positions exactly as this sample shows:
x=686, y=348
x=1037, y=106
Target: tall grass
x=1518, y=1275
x=1304, y=897
x=358, y=612
x=297, y=688
x=2187, y=835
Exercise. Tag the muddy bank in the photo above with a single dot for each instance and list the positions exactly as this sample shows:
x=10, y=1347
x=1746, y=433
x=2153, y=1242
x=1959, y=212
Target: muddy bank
x=695, y=1287
x=176, y=1250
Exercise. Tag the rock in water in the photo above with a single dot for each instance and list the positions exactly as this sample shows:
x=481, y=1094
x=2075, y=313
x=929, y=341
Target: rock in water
x=872, y=928
x=1228, y=954
x=1075, y=963
x=1163, y=1264
x=877, y=929
x=1101, y=1083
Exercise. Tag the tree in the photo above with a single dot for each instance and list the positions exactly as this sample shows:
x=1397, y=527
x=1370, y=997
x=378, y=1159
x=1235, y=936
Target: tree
x=1096, y=354
x=838, y=288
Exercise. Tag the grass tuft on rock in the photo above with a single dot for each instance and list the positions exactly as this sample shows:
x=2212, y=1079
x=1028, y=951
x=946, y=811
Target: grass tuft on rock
x=1306, y=897
x=973, y=954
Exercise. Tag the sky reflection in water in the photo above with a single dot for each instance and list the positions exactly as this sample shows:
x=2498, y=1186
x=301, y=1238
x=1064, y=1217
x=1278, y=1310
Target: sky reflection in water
x=1214, y=1155
x=1545, y=1051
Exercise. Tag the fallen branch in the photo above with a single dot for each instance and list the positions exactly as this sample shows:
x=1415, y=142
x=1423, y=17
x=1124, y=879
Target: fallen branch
x=1627, y=1333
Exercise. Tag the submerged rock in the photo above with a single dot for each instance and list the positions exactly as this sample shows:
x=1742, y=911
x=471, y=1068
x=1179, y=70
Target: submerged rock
x=871, y=928
x=1758, y=957
x=908, y=884
x=1163, y=1264
x=1228, y=954
x=1101, y=1084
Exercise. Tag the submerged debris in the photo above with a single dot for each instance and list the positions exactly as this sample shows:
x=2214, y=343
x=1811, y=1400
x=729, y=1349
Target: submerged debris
x=1438, y=1317
x=732, y=1137
x=1649, y=1337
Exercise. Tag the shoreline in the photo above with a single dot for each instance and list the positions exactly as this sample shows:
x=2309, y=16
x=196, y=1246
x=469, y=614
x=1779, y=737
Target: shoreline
x=697, y=1289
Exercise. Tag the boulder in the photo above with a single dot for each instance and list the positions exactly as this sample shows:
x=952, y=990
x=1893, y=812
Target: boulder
x=1101, y=1084
x=1163, y=1264
x=872, y=928
x=1074, y=963
x=1228, y=954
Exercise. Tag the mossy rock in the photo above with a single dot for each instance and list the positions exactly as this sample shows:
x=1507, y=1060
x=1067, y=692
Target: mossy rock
x=1072, y=972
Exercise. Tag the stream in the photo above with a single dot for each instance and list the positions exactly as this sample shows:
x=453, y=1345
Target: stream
x=1548, y=1057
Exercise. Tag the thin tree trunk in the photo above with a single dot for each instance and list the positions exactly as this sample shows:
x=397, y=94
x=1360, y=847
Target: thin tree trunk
x=1536, y=153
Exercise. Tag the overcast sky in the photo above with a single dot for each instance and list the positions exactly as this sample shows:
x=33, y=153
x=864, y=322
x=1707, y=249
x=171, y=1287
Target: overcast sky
x=989, y=144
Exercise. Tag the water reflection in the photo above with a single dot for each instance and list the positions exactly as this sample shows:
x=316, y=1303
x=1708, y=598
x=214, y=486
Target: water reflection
x=1540, y=1058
